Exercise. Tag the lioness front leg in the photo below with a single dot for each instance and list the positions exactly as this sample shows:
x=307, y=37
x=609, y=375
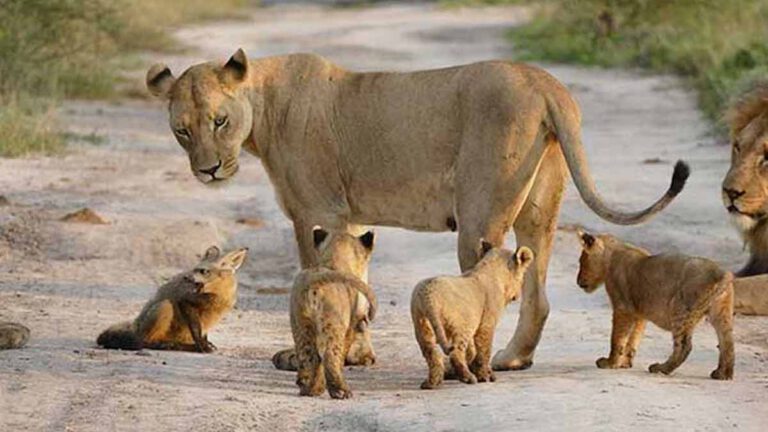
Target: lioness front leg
x=623, y=324
x=682, y=347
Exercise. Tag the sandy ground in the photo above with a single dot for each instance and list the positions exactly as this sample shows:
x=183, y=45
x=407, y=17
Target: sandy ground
x=68, y=281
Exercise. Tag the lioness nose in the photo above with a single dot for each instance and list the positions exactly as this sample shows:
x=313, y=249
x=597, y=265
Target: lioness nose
x=733, y=194
x=211, y=171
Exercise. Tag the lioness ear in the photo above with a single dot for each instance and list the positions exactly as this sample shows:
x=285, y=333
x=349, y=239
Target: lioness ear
x=485, y=247
x=523, y=256
x=236, y=67
x=211, y=253
x=160, y=80
x=587, y=240
x=235, y=259
x=367, y=240
x=318, y=236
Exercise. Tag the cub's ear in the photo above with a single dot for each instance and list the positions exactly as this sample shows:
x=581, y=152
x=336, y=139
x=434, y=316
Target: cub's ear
x=367, y=240
x=318, y=236
x=587, y=240
x=523, y=256
x=236, y=68
x=160, y=81
x=485, y=247
x=235, y=258
x=212, y=253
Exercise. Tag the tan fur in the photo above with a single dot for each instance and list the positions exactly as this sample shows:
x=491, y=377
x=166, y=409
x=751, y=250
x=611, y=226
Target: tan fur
x=745, y=186
x=480, y=148
x=184, y=309
x=672, y=291
x=329, y=303
x=460, y=313
x=751, y=295
x=13, y=335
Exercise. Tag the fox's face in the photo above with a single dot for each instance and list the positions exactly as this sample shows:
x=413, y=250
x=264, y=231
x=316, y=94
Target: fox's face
x=216, y=272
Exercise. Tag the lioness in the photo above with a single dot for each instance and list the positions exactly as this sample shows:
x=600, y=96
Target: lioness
x=479, y=148
x=745, y=187
x=460, y=313
x=672, y=291
x=329, y=303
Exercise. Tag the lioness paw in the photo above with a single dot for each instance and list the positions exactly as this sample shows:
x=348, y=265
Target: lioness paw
x=721, y=374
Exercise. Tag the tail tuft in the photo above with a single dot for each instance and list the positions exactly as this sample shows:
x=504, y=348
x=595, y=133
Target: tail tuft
x=680, y=175
x=119, y=339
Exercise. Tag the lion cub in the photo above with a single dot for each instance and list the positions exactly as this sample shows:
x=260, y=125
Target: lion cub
x=672, y=291
x=184, y=309
x=460, y=313
x=329, y=303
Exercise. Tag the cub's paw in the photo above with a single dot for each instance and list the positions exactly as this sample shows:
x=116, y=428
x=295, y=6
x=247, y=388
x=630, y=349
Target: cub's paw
x=659, y=368
x=722, y=374
x=429, y=385
x=309, y=391
x=340, y=393
x=470, y=378
x=486, y=376
x=607, y=363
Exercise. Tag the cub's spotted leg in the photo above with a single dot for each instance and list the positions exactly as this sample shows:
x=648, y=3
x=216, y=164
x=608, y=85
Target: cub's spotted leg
x=721, y=317
x=458, y=358
x=432, y=354
x=682, y=347
x=333, y=362
x=623, y=324
x=480, y=363
x=310, y=377
x=634, y=342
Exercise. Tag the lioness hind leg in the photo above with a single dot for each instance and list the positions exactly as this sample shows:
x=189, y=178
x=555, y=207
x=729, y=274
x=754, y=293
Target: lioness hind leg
x=425, y=336
x=535, y=227
x=721, y=318
x=682, y=347
x=458, y=358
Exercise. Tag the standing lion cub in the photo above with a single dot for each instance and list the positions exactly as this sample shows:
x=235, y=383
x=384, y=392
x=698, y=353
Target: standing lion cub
x=672, y=291
x=460, y=313
x=329, y=304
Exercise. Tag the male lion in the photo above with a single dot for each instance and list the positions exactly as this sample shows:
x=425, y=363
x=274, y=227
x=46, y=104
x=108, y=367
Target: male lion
x=329, y=303
x=672, y=291
x=479, y=148
x=745, y=187
x=460, y=313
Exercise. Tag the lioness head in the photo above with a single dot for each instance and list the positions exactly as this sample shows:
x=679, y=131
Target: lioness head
x=345, y=252
x=592, y=263
x=745, y=187
x=210, y=113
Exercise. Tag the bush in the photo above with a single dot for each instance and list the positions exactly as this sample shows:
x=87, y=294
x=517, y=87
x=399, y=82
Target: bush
x=720, y=46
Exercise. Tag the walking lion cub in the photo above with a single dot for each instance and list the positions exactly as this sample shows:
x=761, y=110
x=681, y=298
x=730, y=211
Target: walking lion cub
x=330, y=303
x=459, y=313
x=184, y=309
x=672, y=291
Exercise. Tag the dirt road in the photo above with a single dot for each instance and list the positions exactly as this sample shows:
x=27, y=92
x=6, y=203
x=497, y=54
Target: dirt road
x=69, y=281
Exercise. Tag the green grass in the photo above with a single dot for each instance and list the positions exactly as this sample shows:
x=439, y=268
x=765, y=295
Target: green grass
x=55, y=49
x=718, y=46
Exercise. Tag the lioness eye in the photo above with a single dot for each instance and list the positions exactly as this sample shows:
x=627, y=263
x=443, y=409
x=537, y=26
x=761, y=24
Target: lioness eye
x=182, y=132
x=220, y=121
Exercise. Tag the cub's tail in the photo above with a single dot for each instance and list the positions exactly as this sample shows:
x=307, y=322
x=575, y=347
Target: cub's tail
x=437, y=327
x=120, y=336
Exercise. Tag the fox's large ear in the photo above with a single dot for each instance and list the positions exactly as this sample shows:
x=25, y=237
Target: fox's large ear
x=523, y=256
x=367, y=240
x=236, y=68
x=235, y=258
x=586, y=239
x=211, y=253
x=160, y=81
x=318, y=236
